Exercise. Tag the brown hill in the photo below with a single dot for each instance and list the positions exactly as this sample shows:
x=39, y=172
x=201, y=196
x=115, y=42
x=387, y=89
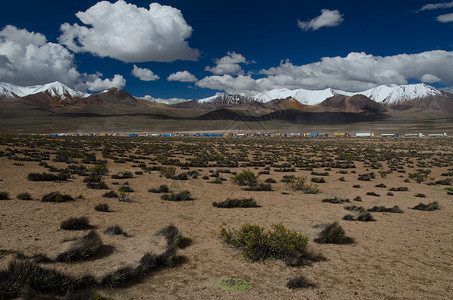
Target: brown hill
x=354, y=104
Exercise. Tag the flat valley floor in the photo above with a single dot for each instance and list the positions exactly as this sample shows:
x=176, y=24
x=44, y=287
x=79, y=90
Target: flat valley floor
x=398, y=256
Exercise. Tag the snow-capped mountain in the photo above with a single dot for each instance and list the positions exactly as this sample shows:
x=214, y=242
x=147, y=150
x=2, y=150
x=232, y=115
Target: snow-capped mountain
x=54, y=89
x=386, y=94
x=395, y=94
x=307, y=97
x=228, y=100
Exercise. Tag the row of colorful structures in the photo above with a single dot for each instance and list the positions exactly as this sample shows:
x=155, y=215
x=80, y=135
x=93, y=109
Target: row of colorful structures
x=255, y=134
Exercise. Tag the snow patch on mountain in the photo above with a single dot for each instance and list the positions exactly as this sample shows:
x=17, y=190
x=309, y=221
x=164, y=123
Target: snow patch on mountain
x=307, y=97
x=54, y=89
x=393, y=94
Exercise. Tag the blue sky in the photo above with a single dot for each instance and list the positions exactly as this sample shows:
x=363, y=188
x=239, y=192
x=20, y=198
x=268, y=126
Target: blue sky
x=194, y=49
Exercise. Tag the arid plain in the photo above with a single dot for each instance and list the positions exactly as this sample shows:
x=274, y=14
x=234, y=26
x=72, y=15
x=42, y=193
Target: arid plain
x=394, y=256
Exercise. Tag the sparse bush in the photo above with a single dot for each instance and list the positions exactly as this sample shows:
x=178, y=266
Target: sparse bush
x=123, y=175
x=167, y=171
x=232, y=203
x=333, y=234
x=97, y=185
x=23, y=196
x=358, y=198
x=335, y=200
x=418, y=177
x=82, y=248
x=420, y=195
x=100, y=169
x=93, y=178
x=81, y=223
x=115, y=230
x=394, y=209
x=373, y=194
x=270, y=180
x=181, y=196
x=46, y=177
x=260, y=187
x=161, y=189
x=256, y=243
x=367, y=176
x=299, y=282
x=4, y=196
x=26, y=274
x=104, y=207
x=318, y=180
x=246, y=177
x=56, y=197
x=110, y=194
x=427, y=207
x=399, y=189
x=365, y=217
x=298, y=184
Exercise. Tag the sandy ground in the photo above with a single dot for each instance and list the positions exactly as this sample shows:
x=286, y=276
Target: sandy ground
x=399, y=256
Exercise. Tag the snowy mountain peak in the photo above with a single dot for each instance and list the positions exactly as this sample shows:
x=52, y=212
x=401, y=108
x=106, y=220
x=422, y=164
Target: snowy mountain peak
x=54, y=89
x=307, y=97
x=392, y=94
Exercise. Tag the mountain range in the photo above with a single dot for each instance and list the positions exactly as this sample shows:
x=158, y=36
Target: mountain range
x=329, y=106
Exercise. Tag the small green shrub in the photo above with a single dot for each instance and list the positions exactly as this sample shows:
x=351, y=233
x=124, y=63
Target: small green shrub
x=256, y=243
x=420, y=195
x=333, y=234
x=373, y=194
x=335, y=200
x=98, y=296
x=4, y=196
x=167, y=171
x=82, y=248
x=233, y=284
x=427, y=207
x=110, y=194
x=46, y=177
x=81, y=223
x=115, y=230
x=56, y=197
x=395, y=209
x=259, y=187
x=299, y=184
x=233, y=203
x=318, y=180
x=104, y=207
x=97, y=185
x=299, y=282
x=246, y=177
x=399, y=189
x=161, y=189
x=123, y=175
x=23, y=196
x=181, y=196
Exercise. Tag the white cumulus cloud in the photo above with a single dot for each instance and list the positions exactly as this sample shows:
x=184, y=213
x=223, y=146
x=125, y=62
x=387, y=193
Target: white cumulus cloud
x=229, y=64
x=131, y=34
x=432, y=6
x=355, y=72
x=182, y=76
x=26, y=58
x=243, y=85
x=328, y=18
x=98, y=84
x=430, y=78
x=144, y=74
x=445, y=18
